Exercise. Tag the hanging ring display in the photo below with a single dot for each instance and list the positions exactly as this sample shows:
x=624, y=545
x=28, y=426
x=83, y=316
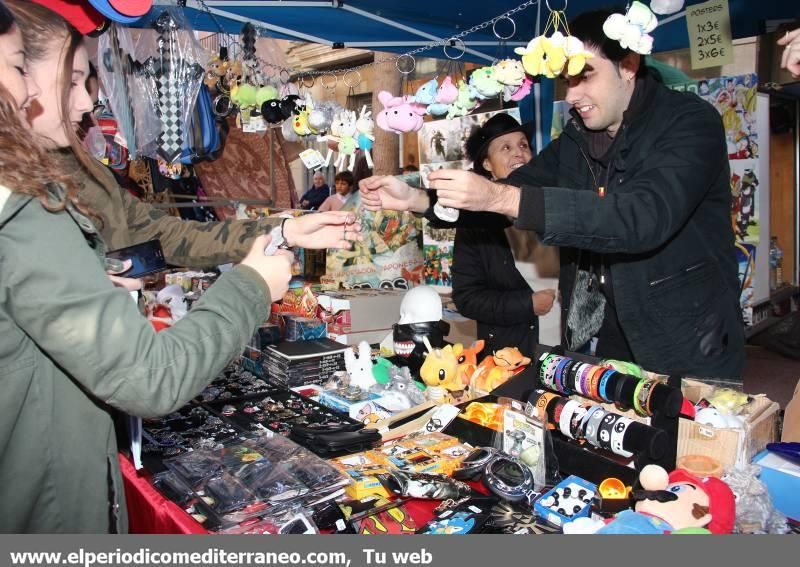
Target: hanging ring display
x=349, y=81
x=452, y=43
x=547, y=3
x=513, y=28
x=408, y=68
x=222, y=106
x=329, y=86
x=284, y=76
x=304, y=81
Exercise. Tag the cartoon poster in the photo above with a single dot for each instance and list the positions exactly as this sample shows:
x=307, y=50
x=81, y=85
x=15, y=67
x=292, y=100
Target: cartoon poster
x=390, y=255
x=735, y=99
x=746, y=260
x=744, y=204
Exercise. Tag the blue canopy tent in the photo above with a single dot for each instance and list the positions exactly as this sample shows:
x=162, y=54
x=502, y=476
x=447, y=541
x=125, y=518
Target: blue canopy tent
x=401, y=26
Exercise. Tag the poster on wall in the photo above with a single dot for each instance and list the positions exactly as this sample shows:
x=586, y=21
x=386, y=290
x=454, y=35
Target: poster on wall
x=443, y=145
x=746, y=260
x=744, y=205
x=735, y=98
x=388, y=257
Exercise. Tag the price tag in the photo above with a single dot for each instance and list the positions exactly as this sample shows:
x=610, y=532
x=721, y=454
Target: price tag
x=710, y=39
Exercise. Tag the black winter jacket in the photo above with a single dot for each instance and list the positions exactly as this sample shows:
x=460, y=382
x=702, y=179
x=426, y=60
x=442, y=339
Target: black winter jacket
x=663, y=225
x=488, y=287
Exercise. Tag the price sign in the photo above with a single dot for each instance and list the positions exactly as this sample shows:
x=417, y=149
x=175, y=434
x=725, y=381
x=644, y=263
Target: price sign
x=710, y=38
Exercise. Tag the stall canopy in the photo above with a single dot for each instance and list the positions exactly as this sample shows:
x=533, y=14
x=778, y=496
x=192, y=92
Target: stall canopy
x=404, y=25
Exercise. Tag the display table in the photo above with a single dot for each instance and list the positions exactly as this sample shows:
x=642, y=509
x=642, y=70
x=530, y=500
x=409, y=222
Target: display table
x=149, y=512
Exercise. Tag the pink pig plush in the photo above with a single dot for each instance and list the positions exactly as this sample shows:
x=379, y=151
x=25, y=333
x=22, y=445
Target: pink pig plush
x=399, y=114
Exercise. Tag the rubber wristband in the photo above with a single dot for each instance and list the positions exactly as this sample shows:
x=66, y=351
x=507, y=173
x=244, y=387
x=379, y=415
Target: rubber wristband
x=549, y=373
x=604, y=383
x=635, y=402
x=605, y=429
x=559, y=376
x=566, y=417
x=618, y=435
x=568, y=376
x=593, y=425
x=643, y=395
x=541, y=405
x=584, y=380
x=585, y=420
x=543, y=366
x=594, y=382
x=576, y=421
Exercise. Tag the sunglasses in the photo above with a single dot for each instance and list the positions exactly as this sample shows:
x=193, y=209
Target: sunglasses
x=504, y=476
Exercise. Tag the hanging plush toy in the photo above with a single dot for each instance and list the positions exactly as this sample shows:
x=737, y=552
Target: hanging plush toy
x=243, y=95
x=445, y=96
x=365, y=126
x=290, y=104
x=300, y=121
x=484, y=83
x=399, y=114
x=265, y=93
x=287, y=129
x=549, y=56
x=464, y=103
x=509, y=72
x=271, y=111
x=518, y=93
x=333, y=136
x=632, y=30
x=347, y=141
x=426, y=94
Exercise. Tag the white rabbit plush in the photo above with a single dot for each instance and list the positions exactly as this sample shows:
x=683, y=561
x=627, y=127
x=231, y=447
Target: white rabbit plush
x=359, y=366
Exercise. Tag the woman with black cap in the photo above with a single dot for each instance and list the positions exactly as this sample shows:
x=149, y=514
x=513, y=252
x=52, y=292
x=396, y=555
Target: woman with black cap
x=487, y=285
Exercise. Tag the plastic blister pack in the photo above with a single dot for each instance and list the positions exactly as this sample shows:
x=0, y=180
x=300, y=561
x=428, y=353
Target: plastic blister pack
x=129, y=96
x=173, y=69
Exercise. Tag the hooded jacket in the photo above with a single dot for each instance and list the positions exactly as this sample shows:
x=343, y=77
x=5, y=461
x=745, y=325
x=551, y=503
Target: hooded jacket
x=73, y=347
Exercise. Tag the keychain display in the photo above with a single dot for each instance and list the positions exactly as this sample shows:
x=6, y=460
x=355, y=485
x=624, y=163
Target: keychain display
x=424, y=485
x=263, y=475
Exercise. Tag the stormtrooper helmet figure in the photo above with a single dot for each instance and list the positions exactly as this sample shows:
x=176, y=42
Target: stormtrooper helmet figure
x=420, y=316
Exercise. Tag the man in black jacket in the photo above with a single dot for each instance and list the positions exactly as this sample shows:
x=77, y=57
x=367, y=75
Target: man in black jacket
x=636, y=192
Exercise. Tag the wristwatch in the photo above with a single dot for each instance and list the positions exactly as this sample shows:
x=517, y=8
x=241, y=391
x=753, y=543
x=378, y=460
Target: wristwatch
x=278, y=241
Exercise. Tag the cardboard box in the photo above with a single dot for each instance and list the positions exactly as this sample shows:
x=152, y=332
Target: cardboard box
x=729, y=446
x=369, y=309
x=782, y=478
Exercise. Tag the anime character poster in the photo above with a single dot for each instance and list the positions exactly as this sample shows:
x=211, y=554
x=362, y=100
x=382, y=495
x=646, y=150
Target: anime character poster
x=735, y=99
x=390, y=255
x=746, y=260
x=744, y=204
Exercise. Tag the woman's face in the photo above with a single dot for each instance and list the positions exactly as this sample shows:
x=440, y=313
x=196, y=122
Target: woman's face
x=45, y=112
x=506, y=153
x=319, y=181
x=13, y=73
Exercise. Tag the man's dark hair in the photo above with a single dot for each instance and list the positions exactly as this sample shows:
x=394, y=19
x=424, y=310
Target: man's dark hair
x=345, y=176
x=588, y=27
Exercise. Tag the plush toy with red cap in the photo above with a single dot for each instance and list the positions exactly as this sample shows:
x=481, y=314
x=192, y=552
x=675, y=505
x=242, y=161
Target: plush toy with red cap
x=678, y=503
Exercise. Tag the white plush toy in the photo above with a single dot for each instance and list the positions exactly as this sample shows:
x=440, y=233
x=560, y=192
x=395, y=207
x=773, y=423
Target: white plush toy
x=359, y=366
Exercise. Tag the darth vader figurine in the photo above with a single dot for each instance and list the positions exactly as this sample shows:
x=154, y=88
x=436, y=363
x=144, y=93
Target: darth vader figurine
x=420, y=316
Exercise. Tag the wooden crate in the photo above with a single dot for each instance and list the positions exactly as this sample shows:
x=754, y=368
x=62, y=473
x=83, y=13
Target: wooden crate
x=729, y=446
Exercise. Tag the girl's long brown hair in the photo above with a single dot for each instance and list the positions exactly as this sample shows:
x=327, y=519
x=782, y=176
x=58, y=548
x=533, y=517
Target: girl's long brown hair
x=42, y=29
x=24, y=166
